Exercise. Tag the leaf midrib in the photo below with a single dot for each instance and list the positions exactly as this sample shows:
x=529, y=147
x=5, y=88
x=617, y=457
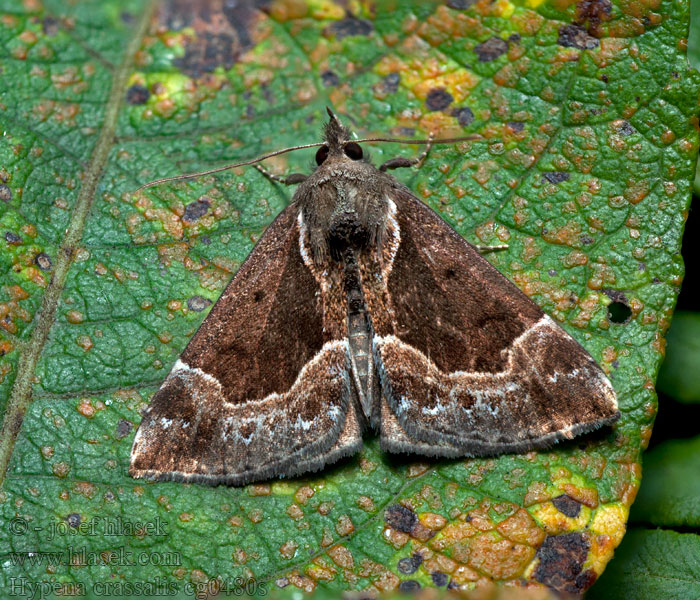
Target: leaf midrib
x=21, y=395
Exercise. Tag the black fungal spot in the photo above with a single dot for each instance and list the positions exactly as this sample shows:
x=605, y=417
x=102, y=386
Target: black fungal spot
x=491, y=49
x=438, y=99
x=464, y=115
x=12, y=238
x=561, y=561
x=592, y=12
x=586, y=240
x=124, y=427
x=196, y=210
x=624, y=128
x=460, y=4
x=127, y=18
x=556, y=177
x=5, y=193
x=197, y=303
x=516, y=125
x=515, y=38
x=137, y=94
x=43, y=261
x=619, y=310
x=409, y=586
x=400, y=518
x=574, y=36
x=329, y=79
x=604, y=78
x=49, y=25
x=350, y=26
x=566, y=505
x=391, y=82
x=439, y=579
x=73, y=520
x=109, y=496
x=205, y=240
x=409, y=564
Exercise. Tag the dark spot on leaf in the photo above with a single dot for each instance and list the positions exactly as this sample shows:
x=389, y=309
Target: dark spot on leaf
x=515, y=38
x=329, y=79
x=464, y=115
x=619, y=310
x=109, y=496
x=656, y=280
x=196, y=210
x=350, y=26
x=12, y=238
x=391, y=82
x=604, y=78
x=73, y=520
x=127, y=18
x=124, y=427
x=586, y=239
x=561, y=561
x=460, y=4
x=205, y=239
x=137, y=94
x=556, y=176
x=585, y=580
x=5, y=193
x=439, y=579
x=592, y=13
x=491, y=49
x=574, y=36
x=259, y=295
x=197, y=303
x=410, y=586
x=222, y=32
x=615, y=364
x=407, y=131
x=409, y=564
x=566, y=505
x=624, y=128
x=516, y=125
x=43, y=261
x=438, y=99
x=49, y=25
x=641, y=266
x=400, y=518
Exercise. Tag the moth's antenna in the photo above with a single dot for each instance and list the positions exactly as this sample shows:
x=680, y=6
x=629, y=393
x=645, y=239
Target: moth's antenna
x=429, y=141
x=226, y=167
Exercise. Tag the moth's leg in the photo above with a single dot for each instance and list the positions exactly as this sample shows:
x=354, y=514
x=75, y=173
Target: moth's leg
x=292, y=179
x=485, y=249
x=399, y=162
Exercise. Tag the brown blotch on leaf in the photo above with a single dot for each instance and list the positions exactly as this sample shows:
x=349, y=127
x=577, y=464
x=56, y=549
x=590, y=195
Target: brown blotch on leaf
x=223, y=32
x=124, y=427
x=438, y=99
x=5, y=193
x=561, y=562
x=491, y=49
x=43, y=261
x=196, y=210
x=137, y=94
x=575, y=36
x=197, y=303
x=350, y=26
x=566, y=505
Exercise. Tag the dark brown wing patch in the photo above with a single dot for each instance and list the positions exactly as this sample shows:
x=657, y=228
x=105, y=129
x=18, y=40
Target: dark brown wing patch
x=473, y=366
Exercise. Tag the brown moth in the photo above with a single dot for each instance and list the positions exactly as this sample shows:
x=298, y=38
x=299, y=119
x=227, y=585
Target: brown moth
x=360, y=308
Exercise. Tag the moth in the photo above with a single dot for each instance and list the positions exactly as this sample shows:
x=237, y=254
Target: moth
x=360, y=308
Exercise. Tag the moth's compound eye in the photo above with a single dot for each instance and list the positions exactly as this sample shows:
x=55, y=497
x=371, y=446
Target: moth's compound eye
x=321, y=155
x=353, y=150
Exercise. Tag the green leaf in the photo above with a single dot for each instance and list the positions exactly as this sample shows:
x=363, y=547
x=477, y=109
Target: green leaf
x=584, y=167
x=652, y=564
x=679, y=376
x=670, y=495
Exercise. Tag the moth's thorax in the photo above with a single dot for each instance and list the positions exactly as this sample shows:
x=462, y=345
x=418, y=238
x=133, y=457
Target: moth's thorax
x=344, y=205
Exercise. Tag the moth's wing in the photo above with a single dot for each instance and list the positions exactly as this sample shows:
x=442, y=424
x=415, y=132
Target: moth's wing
x=260, y=390
x=469, y=365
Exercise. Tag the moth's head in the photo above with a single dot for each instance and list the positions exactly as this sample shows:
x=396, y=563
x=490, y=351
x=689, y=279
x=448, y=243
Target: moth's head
x=338, y=142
